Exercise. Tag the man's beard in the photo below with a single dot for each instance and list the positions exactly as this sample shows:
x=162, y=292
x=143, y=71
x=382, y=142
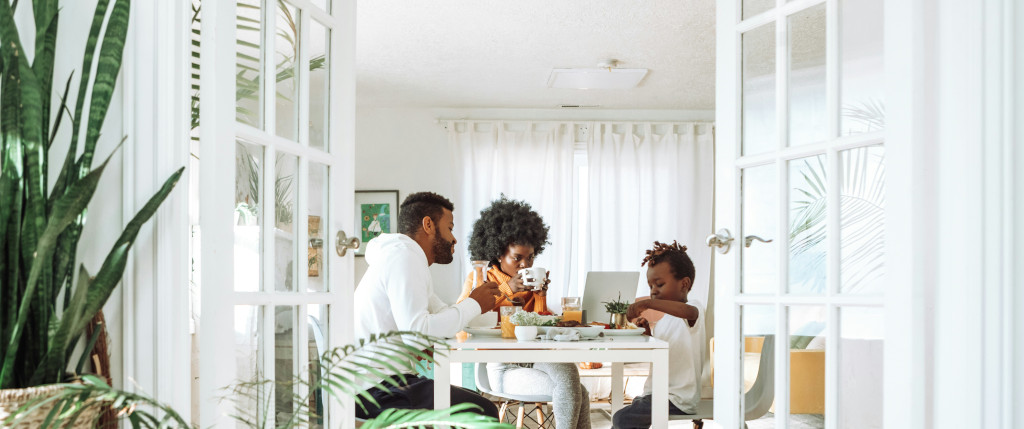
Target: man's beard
x=444, y=250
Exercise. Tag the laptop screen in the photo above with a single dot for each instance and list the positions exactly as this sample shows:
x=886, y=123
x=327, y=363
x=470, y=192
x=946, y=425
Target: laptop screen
x=606, y=286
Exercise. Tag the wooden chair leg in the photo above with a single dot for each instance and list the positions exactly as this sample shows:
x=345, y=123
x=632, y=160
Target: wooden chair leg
x=520, y=415
x=540, y=413
x=501, y=412
x=698, y=424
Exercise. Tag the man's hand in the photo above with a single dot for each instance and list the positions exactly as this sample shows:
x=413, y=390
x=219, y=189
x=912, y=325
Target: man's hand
x=516, y=283
x=485, y=295
x=636, y=308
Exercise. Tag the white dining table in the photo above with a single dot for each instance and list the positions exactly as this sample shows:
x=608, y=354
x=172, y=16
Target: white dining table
x=617, y=350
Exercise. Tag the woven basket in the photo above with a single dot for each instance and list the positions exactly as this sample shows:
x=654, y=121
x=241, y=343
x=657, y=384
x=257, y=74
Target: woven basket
x=13, y=399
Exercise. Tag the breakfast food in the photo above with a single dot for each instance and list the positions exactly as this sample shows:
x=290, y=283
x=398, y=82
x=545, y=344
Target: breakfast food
x=568, y=324
x=590, y=365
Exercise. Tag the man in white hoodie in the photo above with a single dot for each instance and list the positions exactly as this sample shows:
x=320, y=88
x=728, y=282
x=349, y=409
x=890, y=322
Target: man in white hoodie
x=397, y=294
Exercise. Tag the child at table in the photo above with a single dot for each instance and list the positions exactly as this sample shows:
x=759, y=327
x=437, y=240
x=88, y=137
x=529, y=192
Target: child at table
x=669, y=315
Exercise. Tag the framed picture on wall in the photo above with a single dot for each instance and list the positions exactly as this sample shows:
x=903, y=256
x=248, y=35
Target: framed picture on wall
x=376, y=214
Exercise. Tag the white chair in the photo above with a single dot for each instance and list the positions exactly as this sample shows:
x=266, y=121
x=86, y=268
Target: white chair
x=757, y=401
x=483, y=383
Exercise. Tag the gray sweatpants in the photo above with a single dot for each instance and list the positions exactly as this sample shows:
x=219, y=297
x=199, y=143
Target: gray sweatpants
x=570, y=401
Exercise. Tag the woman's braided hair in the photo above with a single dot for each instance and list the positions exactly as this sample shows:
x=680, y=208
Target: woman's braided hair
x=675, y=255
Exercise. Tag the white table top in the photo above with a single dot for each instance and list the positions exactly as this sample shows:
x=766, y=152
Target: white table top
x=606, y=343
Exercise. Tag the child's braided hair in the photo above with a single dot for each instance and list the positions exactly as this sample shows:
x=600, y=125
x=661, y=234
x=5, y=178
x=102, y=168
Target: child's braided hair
x=675, y=255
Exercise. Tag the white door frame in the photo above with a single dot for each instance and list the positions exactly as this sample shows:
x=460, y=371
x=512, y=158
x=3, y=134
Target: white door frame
x=155, y=319
x=954, y=345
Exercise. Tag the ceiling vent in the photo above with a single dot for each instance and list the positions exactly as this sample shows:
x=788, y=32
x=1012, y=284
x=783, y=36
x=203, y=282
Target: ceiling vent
x=605, y=76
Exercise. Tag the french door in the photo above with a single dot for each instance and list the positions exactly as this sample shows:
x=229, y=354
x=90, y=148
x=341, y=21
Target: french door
x=276, y=176
x=800, y=214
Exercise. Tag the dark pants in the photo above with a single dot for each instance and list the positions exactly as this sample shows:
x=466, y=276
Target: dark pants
x=638, y=414
x=417, y=393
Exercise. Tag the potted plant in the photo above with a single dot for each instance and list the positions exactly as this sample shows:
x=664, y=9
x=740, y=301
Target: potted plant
x=526, y=324
x=617, y=311
x=45, y=307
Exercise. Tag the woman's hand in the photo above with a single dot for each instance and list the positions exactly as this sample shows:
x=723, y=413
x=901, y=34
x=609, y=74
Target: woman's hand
x=547, y=281
x=516, y=283
x=636, y=308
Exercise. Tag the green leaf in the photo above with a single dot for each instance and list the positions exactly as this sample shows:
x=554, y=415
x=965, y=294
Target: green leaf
x=65, y=211
x=107, y=68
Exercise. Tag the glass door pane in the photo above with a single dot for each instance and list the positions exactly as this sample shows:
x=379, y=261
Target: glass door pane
x=759, y=331
x=808, y=197
x=248, y=63
x=760, y=214
x=862, y=221
x=754, y=7
x=861, y=66
x=861, y=332
x=808, y=113
x=286, y=66
x=285, y=245
x=319, y=83
x=807, y=366
x=247, y=226
x=316, y=269
x=759, y=129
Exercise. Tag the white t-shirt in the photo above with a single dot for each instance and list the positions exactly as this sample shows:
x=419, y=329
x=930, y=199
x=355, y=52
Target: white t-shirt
x=687, y=345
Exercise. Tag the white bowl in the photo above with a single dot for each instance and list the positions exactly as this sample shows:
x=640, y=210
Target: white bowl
x=526, y=333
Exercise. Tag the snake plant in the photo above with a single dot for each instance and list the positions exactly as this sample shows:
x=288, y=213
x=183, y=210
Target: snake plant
x=44, y=308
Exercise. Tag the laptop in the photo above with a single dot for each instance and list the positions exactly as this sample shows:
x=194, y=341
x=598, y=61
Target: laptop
x=606, y=286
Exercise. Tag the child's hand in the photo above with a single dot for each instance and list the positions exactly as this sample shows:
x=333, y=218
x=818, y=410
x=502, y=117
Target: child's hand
x=643, y=323
x=636, y=308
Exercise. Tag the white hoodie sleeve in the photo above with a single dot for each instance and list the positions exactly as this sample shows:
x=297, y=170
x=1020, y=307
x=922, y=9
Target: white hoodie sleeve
x=415, y=306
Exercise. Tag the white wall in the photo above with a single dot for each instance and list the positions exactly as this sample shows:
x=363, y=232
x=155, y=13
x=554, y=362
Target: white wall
x=407, y=150
x=104, y=221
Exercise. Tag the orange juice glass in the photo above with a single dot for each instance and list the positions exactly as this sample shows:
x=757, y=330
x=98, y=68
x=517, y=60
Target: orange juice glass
x=571, y=309
x=508, y=330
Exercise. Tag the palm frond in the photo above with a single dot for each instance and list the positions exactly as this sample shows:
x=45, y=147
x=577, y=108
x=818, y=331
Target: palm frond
x=71, y=402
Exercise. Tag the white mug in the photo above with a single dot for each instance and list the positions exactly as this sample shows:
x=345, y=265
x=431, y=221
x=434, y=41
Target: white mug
x=533, y=277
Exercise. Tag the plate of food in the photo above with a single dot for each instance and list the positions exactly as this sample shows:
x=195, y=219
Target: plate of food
x=485, y=332
x=584, y=330
x=630, y=329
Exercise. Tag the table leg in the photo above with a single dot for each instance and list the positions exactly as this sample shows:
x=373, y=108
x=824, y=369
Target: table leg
x=442, y=382
x=616, y=386
x=659, y=389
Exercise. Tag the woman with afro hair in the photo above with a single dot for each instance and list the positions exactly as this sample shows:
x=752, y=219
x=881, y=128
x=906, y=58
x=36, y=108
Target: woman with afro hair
x=509, y=235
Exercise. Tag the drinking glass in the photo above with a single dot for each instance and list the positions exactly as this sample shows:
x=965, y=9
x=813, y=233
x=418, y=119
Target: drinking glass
x=571, y=309
x=508, y=330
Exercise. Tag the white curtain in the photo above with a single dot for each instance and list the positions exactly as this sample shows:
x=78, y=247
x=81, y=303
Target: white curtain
x=525, y=161
x=650, y=182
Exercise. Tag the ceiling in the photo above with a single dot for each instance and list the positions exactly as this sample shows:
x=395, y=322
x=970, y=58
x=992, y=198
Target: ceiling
x=499, y=53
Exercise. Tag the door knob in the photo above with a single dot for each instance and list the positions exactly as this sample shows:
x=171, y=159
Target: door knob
x=343, y=242
x=750, y=239
x=722, y=240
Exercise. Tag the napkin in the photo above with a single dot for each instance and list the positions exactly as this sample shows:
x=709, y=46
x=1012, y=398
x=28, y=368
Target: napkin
x=562, y=334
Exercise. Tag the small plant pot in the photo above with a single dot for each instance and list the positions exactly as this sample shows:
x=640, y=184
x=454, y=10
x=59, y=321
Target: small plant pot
x=526, y=333
x=618, y=320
